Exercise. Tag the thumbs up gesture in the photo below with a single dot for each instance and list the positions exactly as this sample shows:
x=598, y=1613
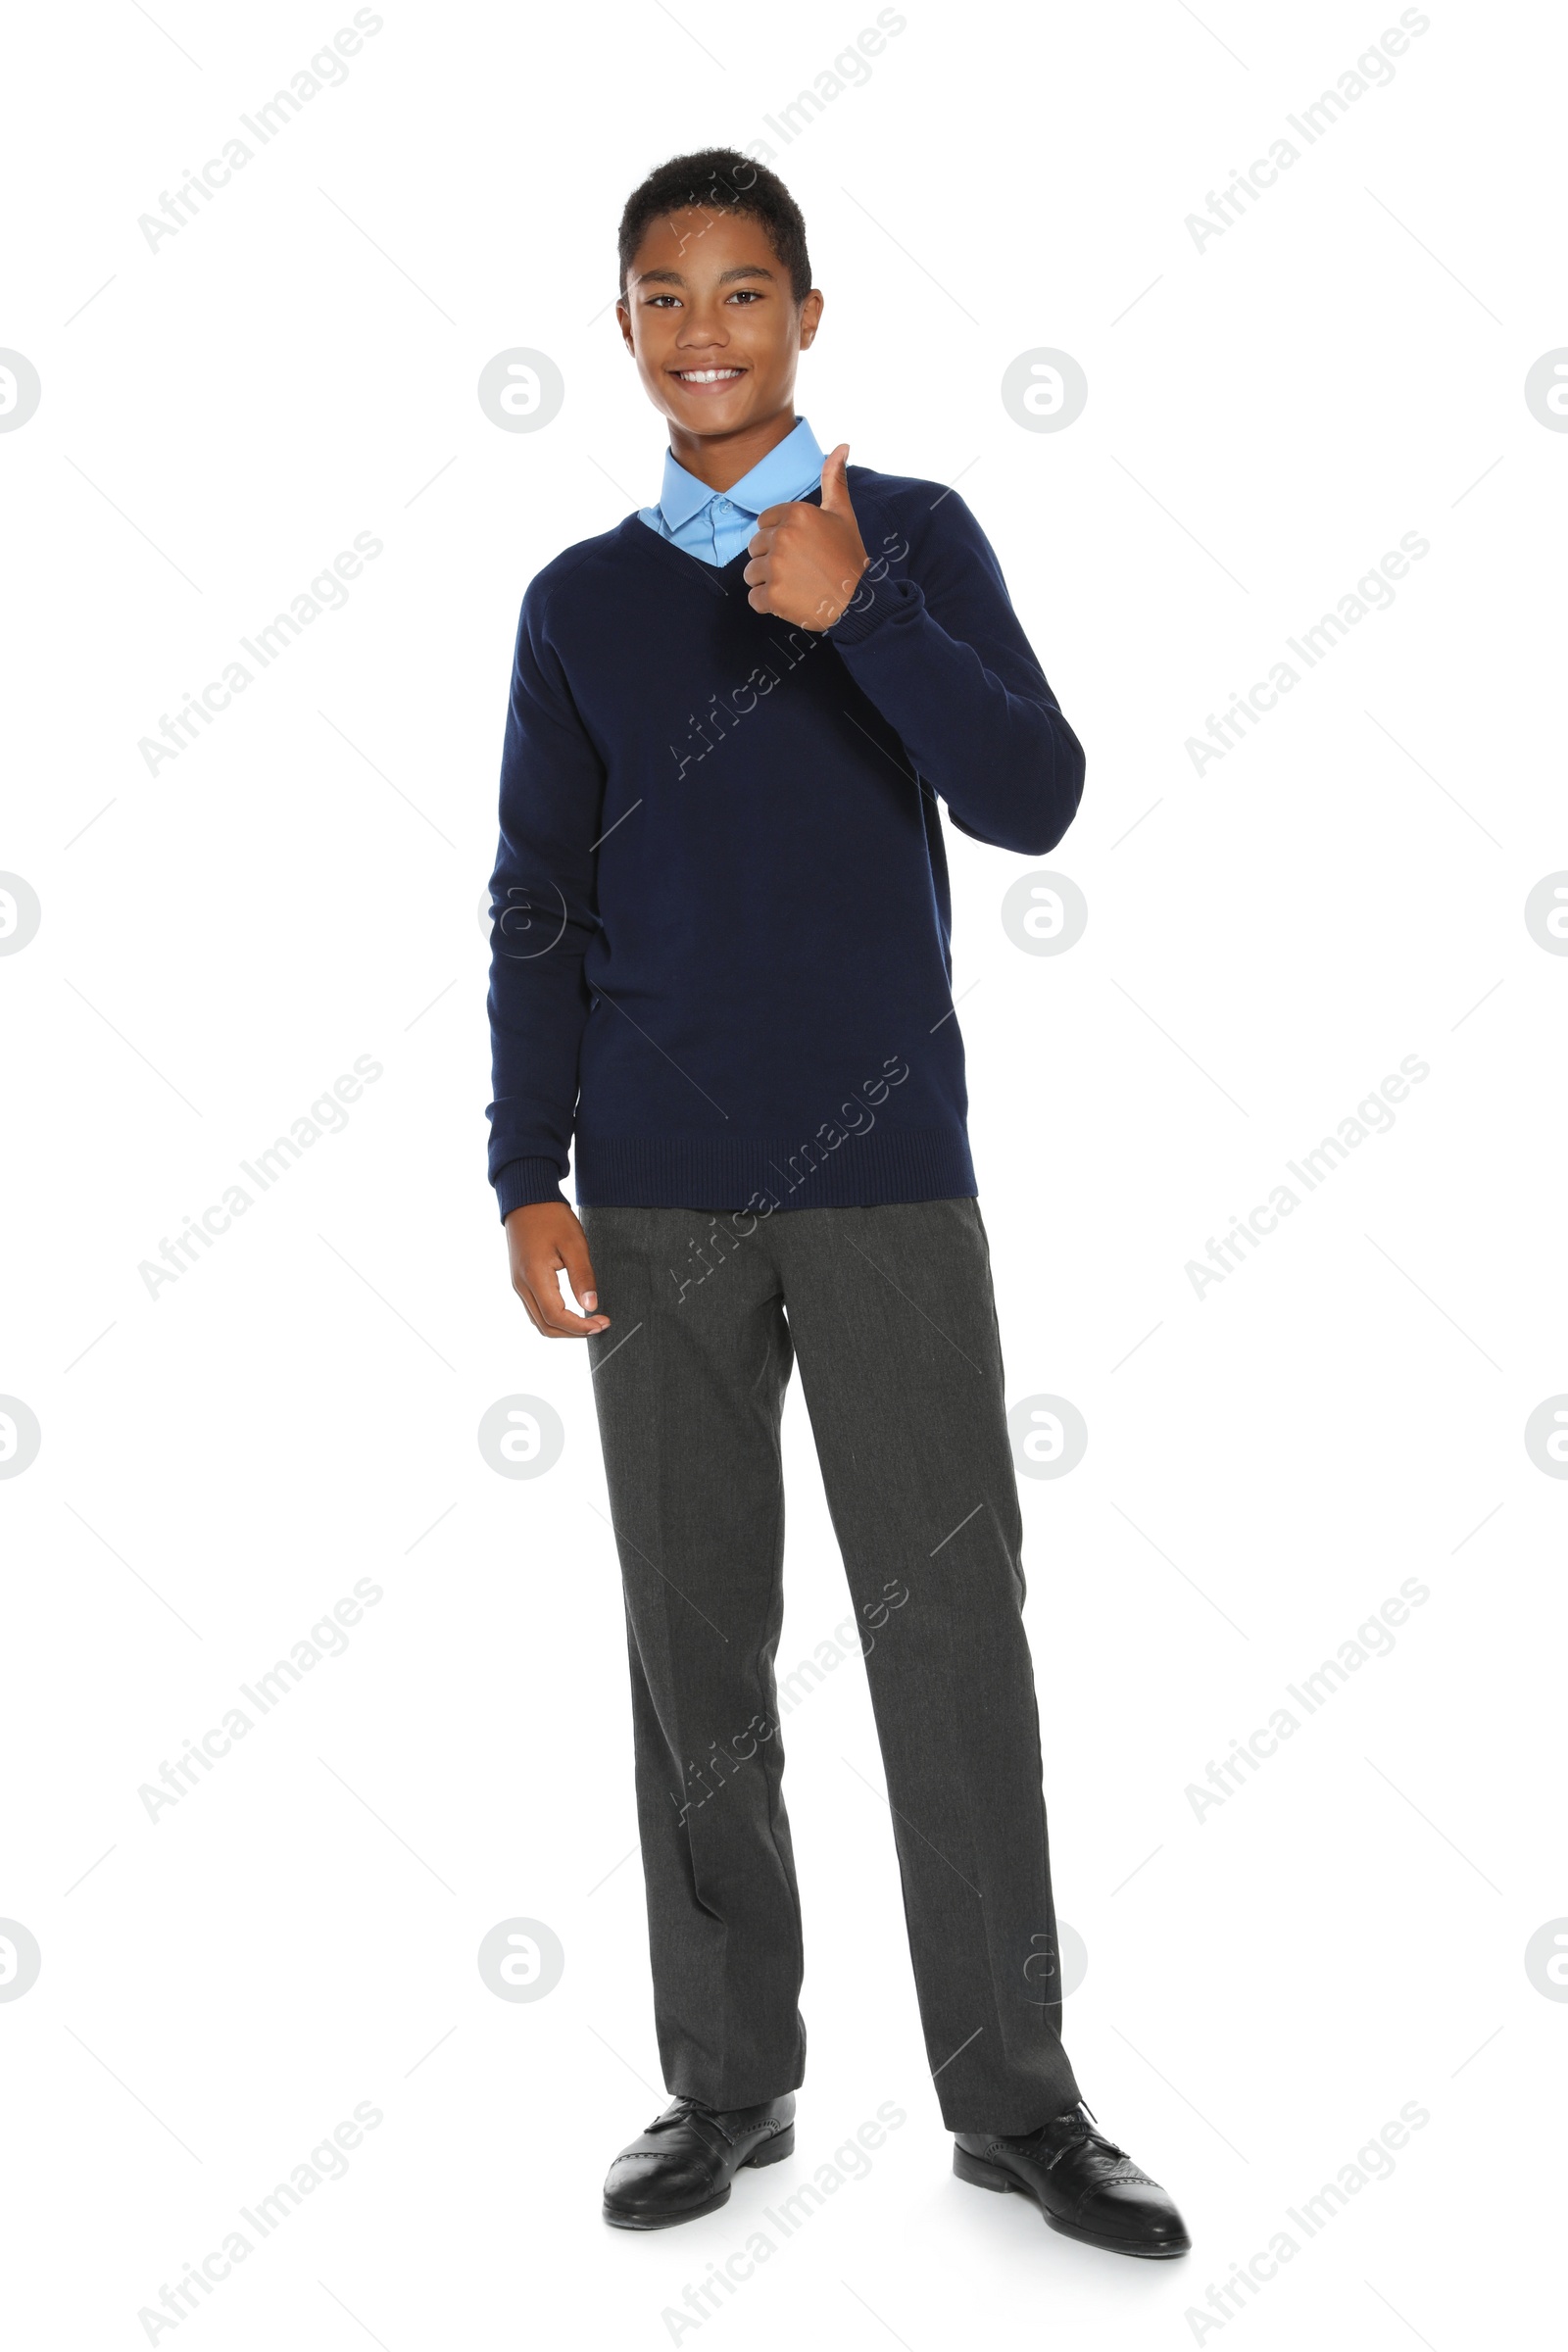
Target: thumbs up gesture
x=807, y=560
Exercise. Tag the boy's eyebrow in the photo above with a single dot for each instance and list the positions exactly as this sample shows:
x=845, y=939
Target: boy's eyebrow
x=673, y=278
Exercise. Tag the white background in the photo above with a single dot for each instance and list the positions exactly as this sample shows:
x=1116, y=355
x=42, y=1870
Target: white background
x=1267, y=1985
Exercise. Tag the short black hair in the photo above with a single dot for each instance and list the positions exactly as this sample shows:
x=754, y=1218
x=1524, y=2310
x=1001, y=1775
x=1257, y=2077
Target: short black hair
x=715, y=177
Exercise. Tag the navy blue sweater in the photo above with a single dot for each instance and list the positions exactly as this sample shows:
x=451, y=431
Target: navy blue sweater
x=720, y=910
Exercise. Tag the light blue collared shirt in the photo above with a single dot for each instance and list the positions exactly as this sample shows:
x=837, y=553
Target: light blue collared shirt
x=715, y=524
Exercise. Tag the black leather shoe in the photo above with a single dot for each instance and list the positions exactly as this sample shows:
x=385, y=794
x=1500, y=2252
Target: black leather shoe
x=1083, y=2185
x=683, y=2164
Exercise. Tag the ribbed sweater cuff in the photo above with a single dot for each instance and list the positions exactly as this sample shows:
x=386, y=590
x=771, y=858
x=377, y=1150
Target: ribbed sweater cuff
x=873, y=603
x=524, y=1182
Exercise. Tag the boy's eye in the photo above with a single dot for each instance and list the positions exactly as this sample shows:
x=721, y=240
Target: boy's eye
x=746, y=294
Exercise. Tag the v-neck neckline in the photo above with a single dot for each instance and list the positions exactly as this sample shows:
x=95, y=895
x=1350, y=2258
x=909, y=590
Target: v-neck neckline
x=716, y=574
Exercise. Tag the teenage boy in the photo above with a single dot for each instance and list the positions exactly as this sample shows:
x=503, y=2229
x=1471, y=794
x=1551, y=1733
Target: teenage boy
x=721, y=964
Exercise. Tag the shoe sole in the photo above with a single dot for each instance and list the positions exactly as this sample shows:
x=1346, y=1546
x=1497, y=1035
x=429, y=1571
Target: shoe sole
x=980, y=2174
x=772, y=2151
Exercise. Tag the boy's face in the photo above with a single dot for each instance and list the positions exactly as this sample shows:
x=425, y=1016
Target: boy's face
x=711, y=321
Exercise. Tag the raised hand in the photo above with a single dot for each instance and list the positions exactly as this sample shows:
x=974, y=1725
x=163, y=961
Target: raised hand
x=807, y=560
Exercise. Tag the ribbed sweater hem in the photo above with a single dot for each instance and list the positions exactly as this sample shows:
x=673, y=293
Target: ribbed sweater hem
x=737, y=1173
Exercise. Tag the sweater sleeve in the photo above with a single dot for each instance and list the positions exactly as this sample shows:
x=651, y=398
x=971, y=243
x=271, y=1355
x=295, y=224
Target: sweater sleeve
x=543, y=914
x=946, y=662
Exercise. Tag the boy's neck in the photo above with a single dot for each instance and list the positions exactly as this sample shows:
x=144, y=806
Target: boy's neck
x=721, y=459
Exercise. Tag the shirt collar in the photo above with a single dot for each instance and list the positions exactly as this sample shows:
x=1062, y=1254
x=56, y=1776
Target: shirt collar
x=787, y=471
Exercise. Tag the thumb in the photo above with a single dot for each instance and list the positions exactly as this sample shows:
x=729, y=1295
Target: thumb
x=835, y=487
x=579, y=1271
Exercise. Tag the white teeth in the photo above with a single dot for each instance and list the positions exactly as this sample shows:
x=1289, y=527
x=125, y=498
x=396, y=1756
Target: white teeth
x=706, y=376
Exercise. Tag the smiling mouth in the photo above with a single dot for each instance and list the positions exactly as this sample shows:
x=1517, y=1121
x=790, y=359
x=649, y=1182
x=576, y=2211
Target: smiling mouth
x=706, y=376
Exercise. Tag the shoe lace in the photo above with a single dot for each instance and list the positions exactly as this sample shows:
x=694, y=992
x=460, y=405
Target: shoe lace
x=677, y=2112
x=684, y=2110
x=1076, y=2129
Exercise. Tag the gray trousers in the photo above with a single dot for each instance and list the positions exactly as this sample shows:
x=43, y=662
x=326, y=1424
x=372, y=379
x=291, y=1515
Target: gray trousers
x=890, y=1310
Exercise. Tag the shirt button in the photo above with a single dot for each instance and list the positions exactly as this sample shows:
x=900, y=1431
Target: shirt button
x=723, y=506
